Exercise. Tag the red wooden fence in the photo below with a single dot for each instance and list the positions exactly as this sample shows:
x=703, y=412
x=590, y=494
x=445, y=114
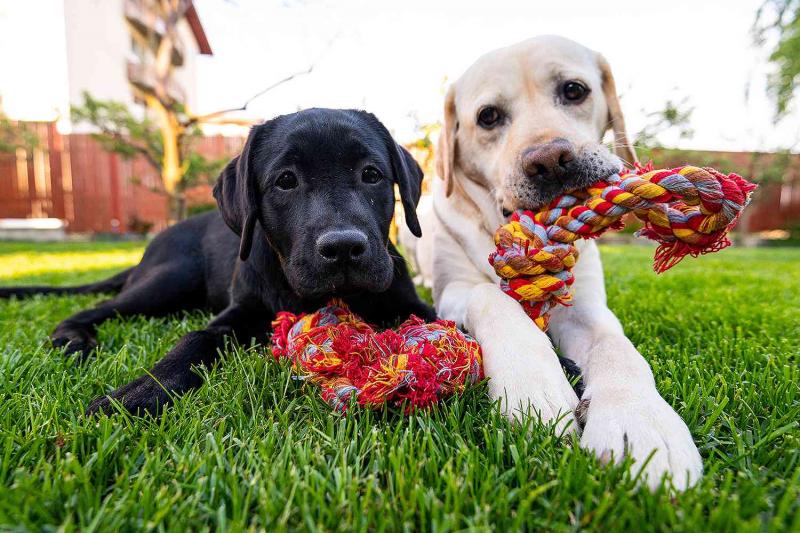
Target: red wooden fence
x=72, y=178
x=32, y=183
x=775, y=205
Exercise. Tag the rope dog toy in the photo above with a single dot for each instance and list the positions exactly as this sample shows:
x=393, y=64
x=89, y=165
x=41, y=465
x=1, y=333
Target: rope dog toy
x=418, y=363
x=687, y=210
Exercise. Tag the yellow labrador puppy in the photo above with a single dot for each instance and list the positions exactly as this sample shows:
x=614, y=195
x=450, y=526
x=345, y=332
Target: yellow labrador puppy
x=523, y=124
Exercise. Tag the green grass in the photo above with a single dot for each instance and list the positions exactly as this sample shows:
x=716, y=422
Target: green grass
x=254, y=449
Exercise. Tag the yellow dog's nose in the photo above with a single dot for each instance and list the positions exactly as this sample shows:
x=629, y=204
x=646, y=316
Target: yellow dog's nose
x=548, y=160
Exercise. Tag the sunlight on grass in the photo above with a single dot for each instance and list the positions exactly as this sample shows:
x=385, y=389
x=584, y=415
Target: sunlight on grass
x=18, y=264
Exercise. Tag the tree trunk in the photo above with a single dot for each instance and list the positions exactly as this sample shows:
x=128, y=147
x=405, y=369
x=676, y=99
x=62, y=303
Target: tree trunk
x=178, y=205
x=171, y=169
x=167, y=109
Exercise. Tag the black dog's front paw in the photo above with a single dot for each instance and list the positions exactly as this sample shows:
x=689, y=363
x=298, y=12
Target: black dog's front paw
x=76, y=342
x=425, y=312
x=141, y=396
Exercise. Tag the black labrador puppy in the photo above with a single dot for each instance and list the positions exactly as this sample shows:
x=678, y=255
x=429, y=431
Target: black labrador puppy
x=304, y=215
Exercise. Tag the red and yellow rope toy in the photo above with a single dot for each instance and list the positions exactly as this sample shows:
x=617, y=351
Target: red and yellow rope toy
x=687, y=210
x=416, y=364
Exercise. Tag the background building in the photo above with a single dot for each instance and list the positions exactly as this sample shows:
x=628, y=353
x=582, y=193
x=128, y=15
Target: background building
x=105, y=47
x=51, y=52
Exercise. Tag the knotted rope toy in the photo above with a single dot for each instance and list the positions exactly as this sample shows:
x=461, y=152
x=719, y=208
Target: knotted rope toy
x=687, y=210
x=416, y=364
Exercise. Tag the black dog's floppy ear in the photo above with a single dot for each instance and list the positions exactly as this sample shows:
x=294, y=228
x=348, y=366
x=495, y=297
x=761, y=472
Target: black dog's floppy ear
x=409, y=179
x=407, y=173
x=237, y=197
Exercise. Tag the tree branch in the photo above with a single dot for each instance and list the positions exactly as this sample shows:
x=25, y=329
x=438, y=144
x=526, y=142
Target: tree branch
x=143, y=150
x=214, y=117
x=243, y=107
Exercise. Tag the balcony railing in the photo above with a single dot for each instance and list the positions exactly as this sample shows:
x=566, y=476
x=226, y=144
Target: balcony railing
x=143, y=76
x=150, y=26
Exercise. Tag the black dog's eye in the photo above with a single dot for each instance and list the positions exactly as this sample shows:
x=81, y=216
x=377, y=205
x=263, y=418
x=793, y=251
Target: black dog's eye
x=489, y=117
x=574, y=92
x=287, y=180
x=371, y=175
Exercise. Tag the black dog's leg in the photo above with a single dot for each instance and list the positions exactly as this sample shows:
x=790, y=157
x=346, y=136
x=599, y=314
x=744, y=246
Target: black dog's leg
x=174, y=375
x=160, y=291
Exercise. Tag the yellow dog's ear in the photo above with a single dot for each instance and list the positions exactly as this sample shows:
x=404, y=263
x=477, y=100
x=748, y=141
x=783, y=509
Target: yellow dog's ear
x=446, y=151
x=622, y=145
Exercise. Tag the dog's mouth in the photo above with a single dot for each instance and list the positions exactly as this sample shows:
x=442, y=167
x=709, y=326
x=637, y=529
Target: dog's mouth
x=508, y=209
x=521, y=191
x=347, y=282
x=530, y=203
x=341, y=284
x=324, y=281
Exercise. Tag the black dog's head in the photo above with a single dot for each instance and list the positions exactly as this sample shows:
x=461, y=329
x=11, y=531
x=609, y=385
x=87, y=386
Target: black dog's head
x=321, y=184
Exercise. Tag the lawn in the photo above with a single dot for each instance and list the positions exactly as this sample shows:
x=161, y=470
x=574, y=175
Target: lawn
x=253, y=449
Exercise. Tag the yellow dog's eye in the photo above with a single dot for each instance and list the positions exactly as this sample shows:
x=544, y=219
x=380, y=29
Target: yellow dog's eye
x=489, y=117
x=574, y=92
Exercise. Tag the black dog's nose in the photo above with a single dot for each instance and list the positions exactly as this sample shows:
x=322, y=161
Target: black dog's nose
x=342, y=245
x=548, y=160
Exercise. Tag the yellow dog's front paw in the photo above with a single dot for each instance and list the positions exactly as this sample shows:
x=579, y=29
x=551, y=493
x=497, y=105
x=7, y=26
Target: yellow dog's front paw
x=640, y=424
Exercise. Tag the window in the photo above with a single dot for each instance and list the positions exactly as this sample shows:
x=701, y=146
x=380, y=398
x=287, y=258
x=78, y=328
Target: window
x=138, y=52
